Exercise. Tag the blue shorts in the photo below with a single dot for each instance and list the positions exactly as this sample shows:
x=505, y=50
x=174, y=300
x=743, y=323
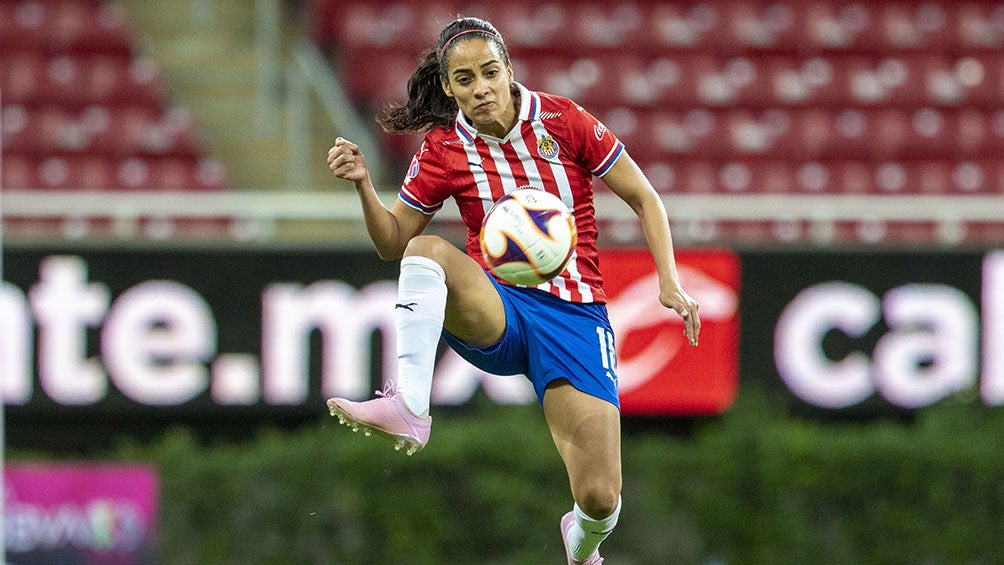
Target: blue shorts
x=547, y=338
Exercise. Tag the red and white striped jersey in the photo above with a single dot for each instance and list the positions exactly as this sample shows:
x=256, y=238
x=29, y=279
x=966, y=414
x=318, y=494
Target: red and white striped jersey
x=556, y=146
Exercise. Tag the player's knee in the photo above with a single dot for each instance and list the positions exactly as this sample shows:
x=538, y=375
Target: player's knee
x=599, y=500
x=430, y=246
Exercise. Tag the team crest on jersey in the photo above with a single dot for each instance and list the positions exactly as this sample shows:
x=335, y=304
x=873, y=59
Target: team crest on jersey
x=547, y=147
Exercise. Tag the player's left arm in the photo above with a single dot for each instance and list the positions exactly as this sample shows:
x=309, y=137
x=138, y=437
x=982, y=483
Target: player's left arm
x=629, y=183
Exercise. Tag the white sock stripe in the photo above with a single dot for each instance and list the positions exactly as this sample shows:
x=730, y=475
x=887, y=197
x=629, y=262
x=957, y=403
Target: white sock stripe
x=587, y=533
x=610, y=520
x=421, y=262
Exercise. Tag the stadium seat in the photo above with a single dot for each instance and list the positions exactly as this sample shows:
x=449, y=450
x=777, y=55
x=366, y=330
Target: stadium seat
x=21, y=27
x=605, y=25
x=21, y=75
x=978, y=26
x=527, y=25
x=19, y=172
x=17, y=129
x=682, y=26
x=86, y=27
x=840, y=26
x=908, y=25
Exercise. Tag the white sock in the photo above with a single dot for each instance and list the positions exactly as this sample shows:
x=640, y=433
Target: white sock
x=586, y=533
x=420, y=309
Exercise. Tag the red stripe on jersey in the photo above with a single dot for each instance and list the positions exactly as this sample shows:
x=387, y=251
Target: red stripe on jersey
x=491, y=168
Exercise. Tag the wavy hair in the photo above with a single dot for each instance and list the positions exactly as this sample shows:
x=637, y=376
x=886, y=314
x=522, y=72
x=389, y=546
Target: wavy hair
x=428, y=106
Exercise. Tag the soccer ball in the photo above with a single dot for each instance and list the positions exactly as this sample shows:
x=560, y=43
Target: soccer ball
x=528, y=237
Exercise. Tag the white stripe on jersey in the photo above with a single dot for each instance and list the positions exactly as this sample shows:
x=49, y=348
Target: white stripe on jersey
x=480, y=177
x=529, y=165
x=505, y=175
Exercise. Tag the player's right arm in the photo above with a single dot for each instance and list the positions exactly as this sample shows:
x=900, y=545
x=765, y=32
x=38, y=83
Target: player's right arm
x=390, y=229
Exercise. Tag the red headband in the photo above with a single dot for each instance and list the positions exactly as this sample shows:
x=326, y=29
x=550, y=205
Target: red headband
x=450, y=40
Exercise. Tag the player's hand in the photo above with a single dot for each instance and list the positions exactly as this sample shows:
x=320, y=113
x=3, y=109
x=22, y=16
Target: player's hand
x=686, y=307
x=346, y=161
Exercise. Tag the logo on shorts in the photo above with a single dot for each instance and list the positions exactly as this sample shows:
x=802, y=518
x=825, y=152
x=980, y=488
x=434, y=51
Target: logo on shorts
x=547, y=147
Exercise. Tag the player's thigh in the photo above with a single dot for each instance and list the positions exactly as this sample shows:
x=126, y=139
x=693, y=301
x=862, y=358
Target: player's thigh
x=587, y=433
x=474, y=310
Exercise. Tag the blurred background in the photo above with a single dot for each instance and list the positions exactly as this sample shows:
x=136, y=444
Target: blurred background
x=184, y=283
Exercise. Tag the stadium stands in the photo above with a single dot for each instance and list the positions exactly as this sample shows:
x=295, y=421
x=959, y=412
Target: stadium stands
x=791, y=97
x=83, y=110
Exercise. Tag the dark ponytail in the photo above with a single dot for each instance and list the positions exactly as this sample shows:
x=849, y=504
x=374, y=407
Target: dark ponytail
x=428, y=106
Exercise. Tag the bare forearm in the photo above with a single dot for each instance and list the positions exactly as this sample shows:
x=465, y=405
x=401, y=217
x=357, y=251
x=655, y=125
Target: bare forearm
x=655, y=225
x=628, y=182
x=381, y=224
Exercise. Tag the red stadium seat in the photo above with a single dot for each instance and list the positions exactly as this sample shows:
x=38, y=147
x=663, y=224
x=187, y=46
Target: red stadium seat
x=22, y=27
x=91, y=173
x=111, y=80
x=17, y=129
x=981, y=78
x=527, y=25
x=978, y=26
x=21, y=77
x=19, y=173
x=842, y=26
x=690, y=27
x=605, y=25
x=908, y=25
x=82, y=27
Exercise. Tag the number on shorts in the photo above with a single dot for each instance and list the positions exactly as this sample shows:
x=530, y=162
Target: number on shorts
x=608, y=352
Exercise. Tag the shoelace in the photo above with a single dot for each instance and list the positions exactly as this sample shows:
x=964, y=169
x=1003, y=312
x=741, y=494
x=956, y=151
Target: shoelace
x=389, y=389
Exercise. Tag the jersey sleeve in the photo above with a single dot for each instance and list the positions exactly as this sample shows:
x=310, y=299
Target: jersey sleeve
x=599, y=147
x=424, y=184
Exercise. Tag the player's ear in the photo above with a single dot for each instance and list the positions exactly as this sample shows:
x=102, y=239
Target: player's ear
x=446, y=86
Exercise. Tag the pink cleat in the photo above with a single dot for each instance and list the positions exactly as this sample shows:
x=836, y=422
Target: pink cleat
x=387, y=416
x=566, y=524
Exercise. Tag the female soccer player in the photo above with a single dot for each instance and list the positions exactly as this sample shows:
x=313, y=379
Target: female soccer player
x=486, y=136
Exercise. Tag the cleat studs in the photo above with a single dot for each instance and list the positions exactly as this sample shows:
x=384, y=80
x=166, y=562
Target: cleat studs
x=341, y=420
x=367, y=432
x=398, y=445
x=411, y=450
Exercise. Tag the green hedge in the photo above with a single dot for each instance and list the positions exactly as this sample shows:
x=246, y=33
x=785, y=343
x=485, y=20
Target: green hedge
x=753, y=486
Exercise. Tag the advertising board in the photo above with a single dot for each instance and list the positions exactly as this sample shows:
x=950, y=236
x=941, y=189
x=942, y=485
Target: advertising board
x=254, y=334
x=875, y=330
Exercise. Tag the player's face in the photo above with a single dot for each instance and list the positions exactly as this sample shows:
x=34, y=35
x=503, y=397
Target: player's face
x=478, y=79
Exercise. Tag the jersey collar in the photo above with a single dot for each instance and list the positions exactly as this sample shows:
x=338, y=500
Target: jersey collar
x=529, y=110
